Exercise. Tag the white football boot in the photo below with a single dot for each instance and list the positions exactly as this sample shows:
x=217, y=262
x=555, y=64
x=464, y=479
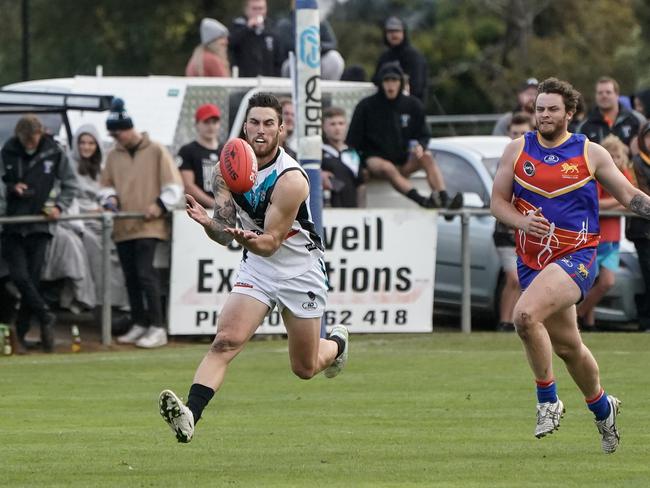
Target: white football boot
x=548, y=417
x=607, y=427
x=179, y=418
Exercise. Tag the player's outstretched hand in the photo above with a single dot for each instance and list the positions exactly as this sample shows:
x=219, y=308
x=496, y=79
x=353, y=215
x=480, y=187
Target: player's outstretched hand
x=196, y=211
x=535, y=223
x=242, y=236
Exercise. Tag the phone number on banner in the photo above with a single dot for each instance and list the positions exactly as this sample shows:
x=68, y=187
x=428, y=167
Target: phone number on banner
x=353, y=318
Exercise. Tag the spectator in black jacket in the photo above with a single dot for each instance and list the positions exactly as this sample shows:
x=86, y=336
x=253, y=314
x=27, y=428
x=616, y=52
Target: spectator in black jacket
x=642, y=102
x=409, y=58
x=609, y=116
x=637, y=229
x=253, y=46
x=389, y=131
x=31, y=163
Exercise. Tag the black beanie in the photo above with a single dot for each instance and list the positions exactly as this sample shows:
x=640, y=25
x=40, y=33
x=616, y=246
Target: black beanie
x=118, y=118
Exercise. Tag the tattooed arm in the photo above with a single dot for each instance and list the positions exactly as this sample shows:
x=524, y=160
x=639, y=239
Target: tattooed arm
x=616, y=183
x=224, y=211
x=640, y=204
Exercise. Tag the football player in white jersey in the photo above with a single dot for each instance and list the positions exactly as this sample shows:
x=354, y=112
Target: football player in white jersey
x=281, y=267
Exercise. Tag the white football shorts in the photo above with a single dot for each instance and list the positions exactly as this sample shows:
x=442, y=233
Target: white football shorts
x=304, y=295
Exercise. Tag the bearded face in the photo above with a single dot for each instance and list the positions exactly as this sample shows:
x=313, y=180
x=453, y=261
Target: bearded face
x=263, y=131
x=551, y=115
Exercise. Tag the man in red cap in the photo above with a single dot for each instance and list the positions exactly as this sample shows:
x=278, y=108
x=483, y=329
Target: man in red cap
x=196, y=159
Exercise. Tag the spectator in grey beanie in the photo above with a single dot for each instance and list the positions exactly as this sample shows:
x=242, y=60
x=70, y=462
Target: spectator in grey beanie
x=210, y=58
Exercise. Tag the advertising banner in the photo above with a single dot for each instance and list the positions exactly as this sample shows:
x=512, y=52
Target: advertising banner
x=380, y=265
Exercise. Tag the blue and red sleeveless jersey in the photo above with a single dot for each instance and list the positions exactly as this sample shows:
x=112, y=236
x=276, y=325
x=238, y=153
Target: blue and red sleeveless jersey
x=559, y=180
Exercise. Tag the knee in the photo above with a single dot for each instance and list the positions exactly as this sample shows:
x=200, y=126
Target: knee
x=524, y=320
x=225, y=343
x=304, y=371
x=427, y=160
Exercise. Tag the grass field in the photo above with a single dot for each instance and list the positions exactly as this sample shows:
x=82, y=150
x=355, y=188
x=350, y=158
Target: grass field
x=418, y=410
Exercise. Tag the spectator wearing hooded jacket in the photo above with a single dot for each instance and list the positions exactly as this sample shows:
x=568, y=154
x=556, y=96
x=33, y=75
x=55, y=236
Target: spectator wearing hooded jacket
x=389, y=131
x=87, y=157
x=410, y=59
x=31, y=163
x=140, y=176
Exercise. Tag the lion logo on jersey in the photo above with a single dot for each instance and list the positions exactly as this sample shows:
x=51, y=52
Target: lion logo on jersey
x=583, y=271
x=567, y=168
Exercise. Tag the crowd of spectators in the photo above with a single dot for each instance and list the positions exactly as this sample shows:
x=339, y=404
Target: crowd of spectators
x=386, y=139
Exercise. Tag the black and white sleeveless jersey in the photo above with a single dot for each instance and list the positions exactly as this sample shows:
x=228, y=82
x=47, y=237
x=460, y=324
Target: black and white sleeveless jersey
x=301, y=246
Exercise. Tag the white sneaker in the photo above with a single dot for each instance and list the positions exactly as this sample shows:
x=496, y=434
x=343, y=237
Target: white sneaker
x=134, y=333
x=335, y=368
x=179, y=418
x=548, y=417
x=607, y=427
x=155, y=337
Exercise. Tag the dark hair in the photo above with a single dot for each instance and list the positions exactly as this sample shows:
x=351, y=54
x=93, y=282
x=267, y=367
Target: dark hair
x=28, y=126
x=330, y=112
x=521, y=118
x=641, y=139
x=609, y=79
x=93, y=165
x=569, y=94
x=263, y=99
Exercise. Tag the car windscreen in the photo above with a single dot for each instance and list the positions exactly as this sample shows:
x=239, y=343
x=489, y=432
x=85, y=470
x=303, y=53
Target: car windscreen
x=460, y=176
x=52, y=123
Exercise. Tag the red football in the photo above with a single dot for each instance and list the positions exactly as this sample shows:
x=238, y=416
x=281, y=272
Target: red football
x=238, y=165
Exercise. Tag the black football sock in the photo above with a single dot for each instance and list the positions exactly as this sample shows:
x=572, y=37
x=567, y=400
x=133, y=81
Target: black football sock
x=418, y=198
x=198, y=399
x=340, y=344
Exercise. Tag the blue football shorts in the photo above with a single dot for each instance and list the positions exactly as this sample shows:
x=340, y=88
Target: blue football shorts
x=580, y=266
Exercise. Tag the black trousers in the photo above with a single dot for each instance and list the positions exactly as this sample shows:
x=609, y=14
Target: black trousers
x=142, y=280
x=643, y=251
x=25, y=256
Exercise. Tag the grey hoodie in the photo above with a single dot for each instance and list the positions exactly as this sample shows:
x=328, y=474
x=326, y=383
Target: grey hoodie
x=88, y=188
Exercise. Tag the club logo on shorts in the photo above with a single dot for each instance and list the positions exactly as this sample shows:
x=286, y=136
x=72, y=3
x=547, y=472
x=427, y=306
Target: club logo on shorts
x=567, y=261
x=583, y=271
x=311, y=304
x=529, y=168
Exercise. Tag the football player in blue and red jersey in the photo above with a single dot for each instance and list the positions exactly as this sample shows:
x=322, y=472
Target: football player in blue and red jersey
x=545, y=188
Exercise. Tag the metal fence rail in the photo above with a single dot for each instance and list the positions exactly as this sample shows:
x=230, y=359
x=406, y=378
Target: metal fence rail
x=107, y=219
x=107, y=229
